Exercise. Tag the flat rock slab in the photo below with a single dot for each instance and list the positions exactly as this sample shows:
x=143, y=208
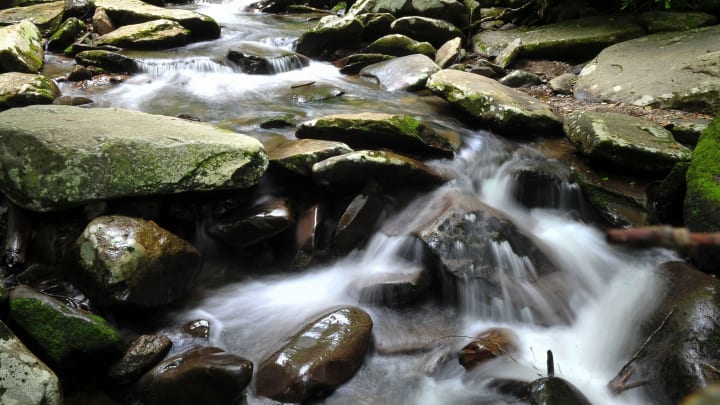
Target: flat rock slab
x=156, y=34
x=664, y=21
x=23, y=89
x=54, y=157
x=624, y=141
x=576, y=39
x=21, y=48
x=46, y=16
x=448, y=10
x=678, y=70
x=300, y=156
x=504, y=109
x=404, y=73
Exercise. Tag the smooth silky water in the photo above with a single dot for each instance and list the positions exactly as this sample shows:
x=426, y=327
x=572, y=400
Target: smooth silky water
x=590, y=311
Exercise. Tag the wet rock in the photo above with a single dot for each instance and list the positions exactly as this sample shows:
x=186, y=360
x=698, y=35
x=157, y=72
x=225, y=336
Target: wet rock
x=688, y=131
x=21, y=48
x=520, y=78
x=448, y=10
x=108, y=61
x=61, y=332
x=78, y=8
x=330, y=34
x=259, y=59
x=24, y=379
x=564, y=84
x=509, y=54
x=391, y=289
x=682, y=356
x=359, y=219
x=66, y=34
x=23, y=89
x=199, y=328
x=304, y=93
x=299, y=156
x=249, y=226
x=666, y=197
x=400, y=133
x=156, y=34
x=124, y=12
x=546, y=184
x=624, y=141
x=45, y=16
x=101, y=22
x=376, y=25
x=485, y=68
x=307, y=235
x=404, y=73
x=665, y=21
x=490, y=344
x=628, y=72
x=322, y=356
x=133, y=262
x=354, y=63
x=574, y=39
x=206, y=375
x=71, y=100
x=425, y=29
x=619, y=203
x=504, y=109
x=399, y=45
x=142, y=355
x=80, y=73
x=555, y=391
x=449, y=53
x=143, y=154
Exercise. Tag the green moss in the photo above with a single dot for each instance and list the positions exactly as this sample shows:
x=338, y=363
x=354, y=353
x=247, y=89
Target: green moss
x=702, y=203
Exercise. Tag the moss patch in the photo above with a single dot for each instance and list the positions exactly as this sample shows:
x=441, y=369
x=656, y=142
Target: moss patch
x=702, y=202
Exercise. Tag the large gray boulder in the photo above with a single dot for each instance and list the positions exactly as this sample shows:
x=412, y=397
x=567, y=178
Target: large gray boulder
x=504, y=109
x=404, y=73
x=330, y=34
x=432, y=30
x=23, y=89
x=24, y=379
x=623, y=141
x=629, y=72
x=574, y=39
x=46, y=16
x=133, y=262
x=448, y=10
x=97, y=154
x=21, y=48
x=156, y=34
x=126, y=12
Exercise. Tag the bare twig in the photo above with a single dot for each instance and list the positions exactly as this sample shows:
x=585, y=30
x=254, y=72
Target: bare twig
x=550, y=364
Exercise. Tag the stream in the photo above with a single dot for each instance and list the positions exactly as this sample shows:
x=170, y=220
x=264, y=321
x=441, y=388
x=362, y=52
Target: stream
x=607, y=291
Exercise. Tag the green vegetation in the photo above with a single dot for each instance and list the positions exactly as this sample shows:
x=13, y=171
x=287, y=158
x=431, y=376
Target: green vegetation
x=702, y=202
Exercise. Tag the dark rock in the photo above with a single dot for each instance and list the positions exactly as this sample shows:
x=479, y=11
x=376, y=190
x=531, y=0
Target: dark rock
x=546, y=184
x=490, y=344
x=330, y=34
x=199, y=328
x=391, y=289
x=142, y=355
x=666, y=198
x=619, y=203
x=688, y=131
x=354, y=63
x=520, y=78
x=404, y=73
x=400, y=45
x=322, y=356
x=258, y=59
x=485, y=68
x=66, y=34
x=425, y=29
x=358, y=221
x=78, y=74
x=555, y=391
x=249, y=226
x=206, y=375
x=448, y=10
x=306, y=236
x=376, y=25
x=108, y=61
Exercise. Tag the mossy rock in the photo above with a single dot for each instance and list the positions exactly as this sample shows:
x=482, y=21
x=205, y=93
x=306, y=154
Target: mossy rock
x=400, y=45
x=376, y=25
x=702, y=201
x=431, y=30
x=66, y=34
x=157, y=34
x=60, y=331
x=409, y=73
x=108, y=61
x=666, y=198
x=21, y=48
x=299, y=156
x=23, y=89
x=46, y=16
x=331, y=33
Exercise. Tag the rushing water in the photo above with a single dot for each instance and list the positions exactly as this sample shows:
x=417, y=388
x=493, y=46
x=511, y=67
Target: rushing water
x=602, y=290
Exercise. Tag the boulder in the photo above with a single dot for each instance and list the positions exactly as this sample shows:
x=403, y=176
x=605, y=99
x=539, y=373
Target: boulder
x=628, y=73
x=564, y=84
x=399, y=45
x=299, y=156
x=571, y=39
x=622, y=141
x=682, y=355
x=666, y=197
x=21, y=48
x=133, y=262
x=249, y=226
x=330, y=34
x=308, y=234
x=490, y=344
x=203, y=375
x=666, y=21
x=108, y=61
x=448, y=10
x=687, y=131
x=320, y=357
x=520, y=78
x=404, y=73
x=97, y=154
x=425, y=29
x=61, y=332
x=555, y=391
x=126, y=12
x=46, y=16
x=101, y=22
x=504, y=109
x=156, y=34
x=79, y=8
x=386, y=168
x=23, y=89
x=24, y=379
x=401, y=133
x=142, y=355
x=449, y=53
x=253, y=58
x=358, y=221
x=391, y=289
x=354, y=63
x=65, y=34
x=376, y=25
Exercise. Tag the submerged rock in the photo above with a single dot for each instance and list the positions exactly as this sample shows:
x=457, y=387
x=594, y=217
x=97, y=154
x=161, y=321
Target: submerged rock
x=253, y=58
x=23, y=89
x=628, y=73
x=299, y=156
x=24, y=379
x=323, y=355
x=142, y=355
x=206, y=375
x=96, y=154
x=21, y=48
x=504, y=109
x=399, y=45
x=391, y=289
x=330, y=34
x=108, y=61
x=60, y=331
x=133, y=262
x=431, y=30
x=620, y=140
x=46, y=16
x=156, y=34
x=249, y=226
x=490, y=344
x=404, y=73
x=555, y=391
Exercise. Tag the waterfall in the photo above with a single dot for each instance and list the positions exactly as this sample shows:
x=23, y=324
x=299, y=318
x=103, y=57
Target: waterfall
x=160, y=67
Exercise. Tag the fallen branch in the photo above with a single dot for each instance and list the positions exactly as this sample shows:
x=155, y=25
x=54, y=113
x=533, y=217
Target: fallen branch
x=664, y=236
x=619, y=383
